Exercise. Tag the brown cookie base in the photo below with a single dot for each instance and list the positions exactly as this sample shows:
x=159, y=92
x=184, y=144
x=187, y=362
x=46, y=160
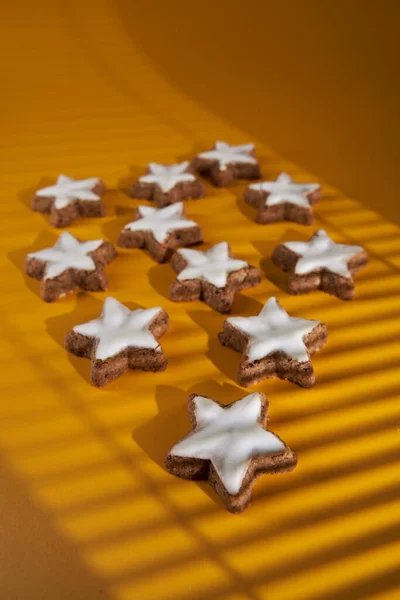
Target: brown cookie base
x=280, y=212
x=72, y=279
x=188, y=236
x=198, y=469
x=105, y=371
x=276, y=364
x=182, y=191
x=62, y=217
x=320, y=279
x=220, y=299
x=224, y=177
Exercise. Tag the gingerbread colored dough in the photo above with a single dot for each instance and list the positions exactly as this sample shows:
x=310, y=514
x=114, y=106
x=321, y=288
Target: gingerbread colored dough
x=230, y=446
x=225, y=163
x=213, y=276
x=320, y=264
x=160, y=231
x=283, y=200
x=167, y=184
x=70, y=199
x=69, y=265
x=274, y=344
x=120, y=339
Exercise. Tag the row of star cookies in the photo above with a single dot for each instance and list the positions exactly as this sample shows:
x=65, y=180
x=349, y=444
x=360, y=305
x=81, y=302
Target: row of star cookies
x=272, y=343
x=213, y=276
x=278, y=200
x=319, y=263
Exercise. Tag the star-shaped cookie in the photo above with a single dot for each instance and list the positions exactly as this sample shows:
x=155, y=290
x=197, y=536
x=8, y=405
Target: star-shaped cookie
x=70, y=264
x=69, y=199
x=160, y=231
x=274, y=344
x=166, y=184
x=120, y=339
x=283, y=200
x=224, y=163
x=212, y=276
x=320, y=264
x=230, y=446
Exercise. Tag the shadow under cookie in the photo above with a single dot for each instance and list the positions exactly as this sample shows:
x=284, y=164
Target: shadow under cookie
x=25, y=196
x=87, y=308
x=246, y=210
x=17, y=258
x=125, y=183
x=266, y=249
x=160, y=278
x=225, y=360
x=213, y=276
x=274, y=344
x=172, y=422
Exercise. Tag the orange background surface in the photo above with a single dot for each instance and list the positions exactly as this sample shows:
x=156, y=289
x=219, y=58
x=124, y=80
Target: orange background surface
x=87, y=509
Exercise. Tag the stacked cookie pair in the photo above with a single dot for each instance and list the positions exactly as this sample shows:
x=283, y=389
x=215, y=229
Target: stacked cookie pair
x=229, y=445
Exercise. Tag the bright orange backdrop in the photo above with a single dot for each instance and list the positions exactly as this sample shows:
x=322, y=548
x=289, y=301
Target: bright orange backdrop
x=88, y=511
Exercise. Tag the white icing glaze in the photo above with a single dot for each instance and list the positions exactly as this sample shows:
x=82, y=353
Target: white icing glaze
x=67, y=190
x=67, y=253
x=274, y=330
x=225, y=154
x=213, y=266
x=167, y=176
x=322, y=253
x=229, y=437
x=161, y=222
x=117, y=328
x=284, y=189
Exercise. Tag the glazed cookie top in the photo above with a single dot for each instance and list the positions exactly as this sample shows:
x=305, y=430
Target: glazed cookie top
x=273, y=330
x=213, y=266
x=167, y=176
x=225, y=154
x=230, y=437
x=67, y=190
x=322, y=252
x=284, y=189
x=67, y=253
x=162, y=221
x=117, y=328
